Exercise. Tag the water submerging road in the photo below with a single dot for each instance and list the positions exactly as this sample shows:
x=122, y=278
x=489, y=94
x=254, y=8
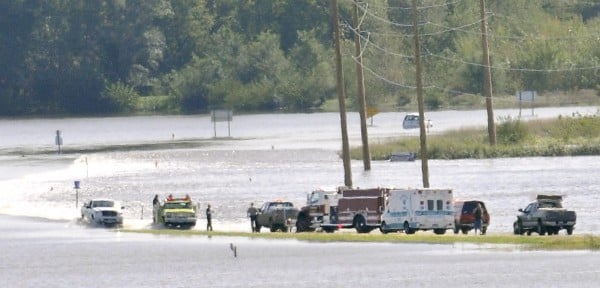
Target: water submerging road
x=294, y=155
x=59, y=254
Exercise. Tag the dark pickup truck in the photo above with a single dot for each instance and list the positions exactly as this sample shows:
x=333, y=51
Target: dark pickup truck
x=277, y=215
x=545, y=215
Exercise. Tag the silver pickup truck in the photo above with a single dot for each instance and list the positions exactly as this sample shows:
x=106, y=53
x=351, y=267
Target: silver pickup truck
x=545, y=215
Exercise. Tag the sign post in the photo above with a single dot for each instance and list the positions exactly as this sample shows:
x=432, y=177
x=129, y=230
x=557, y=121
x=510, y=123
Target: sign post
x=526, y=96
x=221, y=116
x=77, y=186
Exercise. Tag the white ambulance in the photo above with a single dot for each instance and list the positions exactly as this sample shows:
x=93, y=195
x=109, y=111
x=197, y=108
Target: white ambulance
x=418, y=209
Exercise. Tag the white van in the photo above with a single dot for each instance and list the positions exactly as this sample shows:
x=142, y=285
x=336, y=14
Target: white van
x=418, y=209
x=411, y=121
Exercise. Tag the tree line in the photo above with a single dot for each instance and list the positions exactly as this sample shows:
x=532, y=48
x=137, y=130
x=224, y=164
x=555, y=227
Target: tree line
x=189, y=56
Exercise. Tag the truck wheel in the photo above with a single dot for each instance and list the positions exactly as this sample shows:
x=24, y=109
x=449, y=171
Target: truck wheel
x=541, y=230
x=465, y=230
x=439, y=231
x=274, y=228
x=518, y=228
x=569, y=230
x=360, y=224
x=407, y=229
x=303, y=223
x=383, y=228
x=456, y=228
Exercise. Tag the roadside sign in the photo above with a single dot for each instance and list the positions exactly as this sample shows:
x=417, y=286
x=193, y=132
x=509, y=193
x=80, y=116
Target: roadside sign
x=221, y=116
x=372, y=111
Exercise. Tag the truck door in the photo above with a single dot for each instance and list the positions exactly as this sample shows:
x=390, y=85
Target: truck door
x=528, y=213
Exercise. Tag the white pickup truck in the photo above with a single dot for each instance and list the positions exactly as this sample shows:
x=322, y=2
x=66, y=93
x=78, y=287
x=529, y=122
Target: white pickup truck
x=105, y=212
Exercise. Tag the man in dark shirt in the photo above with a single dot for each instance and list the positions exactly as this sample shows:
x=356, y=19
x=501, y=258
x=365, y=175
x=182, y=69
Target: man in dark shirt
x=252, y=212
x=208, y=219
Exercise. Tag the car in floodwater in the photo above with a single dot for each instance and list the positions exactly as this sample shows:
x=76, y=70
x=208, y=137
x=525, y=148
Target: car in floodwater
x=411, y=121
x=105, y=212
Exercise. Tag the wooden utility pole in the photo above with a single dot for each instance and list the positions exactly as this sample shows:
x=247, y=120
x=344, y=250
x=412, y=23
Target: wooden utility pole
x=341, y=97
x=362, y=109
x=422, y=131
x=487, y=77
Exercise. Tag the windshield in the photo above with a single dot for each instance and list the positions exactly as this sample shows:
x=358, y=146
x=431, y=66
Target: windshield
x=177, y=205
x=411, y=117
x=281, y=205
x=314, y=198
x=103, y=204
x=550, y=204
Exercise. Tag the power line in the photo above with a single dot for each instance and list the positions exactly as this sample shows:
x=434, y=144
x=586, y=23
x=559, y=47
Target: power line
x=408, y=8
x=514, y=69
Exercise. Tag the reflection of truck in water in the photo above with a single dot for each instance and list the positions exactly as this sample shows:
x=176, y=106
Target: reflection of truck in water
x=177, y=212
x=345, y=208
x=418, y=209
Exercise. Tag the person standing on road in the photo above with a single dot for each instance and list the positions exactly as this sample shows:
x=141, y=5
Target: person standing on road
x=252, y=213
x=477, y=212
x=208, y=219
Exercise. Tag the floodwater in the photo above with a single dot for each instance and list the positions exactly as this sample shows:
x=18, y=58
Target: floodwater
x=254, y=159
x=266, y=157
x=39, y=253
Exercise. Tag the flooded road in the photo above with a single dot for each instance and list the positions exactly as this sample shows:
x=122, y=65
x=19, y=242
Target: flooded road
x=42, y=253
x=267, y=157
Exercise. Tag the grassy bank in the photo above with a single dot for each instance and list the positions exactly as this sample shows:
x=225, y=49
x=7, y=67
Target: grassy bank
x=563, y=136
x=560, y=242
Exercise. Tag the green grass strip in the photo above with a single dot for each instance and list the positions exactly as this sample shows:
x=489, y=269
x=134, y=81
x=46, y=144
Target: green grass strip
x=533, y=242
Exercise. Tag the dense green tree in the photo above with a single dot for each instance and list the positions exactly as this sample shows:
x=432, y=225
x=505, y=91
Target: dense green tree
x=85, y=56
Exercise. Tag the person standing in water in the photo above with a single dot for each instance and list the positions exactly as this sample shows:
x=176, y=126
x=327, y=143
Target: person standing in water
x=208, y=219
x=252, y=213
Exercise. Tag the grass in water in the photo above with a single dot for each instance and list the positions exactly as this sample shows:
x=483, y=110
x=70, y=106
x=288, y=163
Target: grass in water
x=557, y=242
x=563, y=136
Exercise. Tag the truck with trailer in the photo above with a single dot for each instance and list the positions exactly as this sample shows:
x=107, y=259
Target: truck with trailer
x=411, y=210
x=344, y=208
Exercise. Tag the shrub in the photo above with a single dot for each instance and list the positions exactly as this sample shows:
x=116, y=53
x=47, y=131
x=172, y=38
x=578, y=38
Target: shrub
x=120, y=97
x=511, y=131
